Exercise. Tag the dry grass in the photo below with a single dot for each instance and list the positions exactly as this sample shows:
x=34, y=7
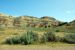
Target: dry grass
x=12, y=32
x=48, y=46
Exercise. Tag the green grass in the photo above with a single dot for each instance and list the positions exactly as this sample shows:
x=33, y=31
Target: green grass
x=8, y=32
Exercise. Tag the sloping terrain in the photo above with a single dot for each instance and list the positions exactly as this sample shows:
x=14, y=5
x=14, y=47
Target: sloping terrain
x=27, y=21
x=11, y=26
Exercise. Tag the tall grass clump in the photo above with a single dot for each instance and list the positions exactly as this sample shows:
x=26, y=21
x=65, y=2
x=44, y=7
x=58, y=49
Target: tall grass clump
x=70, y=38
x=29, y=38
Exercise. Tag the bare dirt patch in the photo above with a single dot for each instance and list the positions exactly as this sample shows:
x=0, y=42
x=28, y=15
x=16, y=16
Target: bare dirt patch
x=35, y=47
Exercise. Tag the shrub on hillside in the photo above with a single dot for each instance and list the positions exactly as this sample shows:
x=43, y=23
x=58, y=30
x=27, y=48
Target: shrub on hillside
x=57, y=30
x=58, y=39
x=70, y=38
x=48, y=37
x=2, y=29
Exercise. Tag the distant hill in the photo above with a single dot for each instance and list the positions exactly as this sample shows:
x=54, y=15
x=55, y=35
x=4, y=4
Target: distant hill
x=72, y=23
x=30, y=21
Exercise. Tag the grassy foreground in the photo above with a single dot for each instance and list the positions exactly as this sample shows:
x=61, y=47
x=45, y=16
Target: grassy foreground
x=6, y=33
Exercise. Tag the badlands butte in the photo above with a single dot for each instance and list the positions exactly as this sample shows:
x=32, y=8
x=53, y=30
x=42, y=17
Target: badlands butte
x=30, y=21
x=45, y=23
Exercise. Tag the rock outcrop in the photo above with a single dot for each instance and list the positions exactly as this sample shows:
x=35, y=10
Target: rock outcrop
x=27, y=21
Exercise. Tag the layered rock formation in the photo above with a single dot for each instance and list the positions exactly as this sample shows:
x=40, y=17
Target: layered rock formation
x=27, y=21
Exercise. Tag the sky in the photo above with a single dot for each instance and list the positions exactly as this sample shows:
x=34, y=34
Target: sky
x=63, y=10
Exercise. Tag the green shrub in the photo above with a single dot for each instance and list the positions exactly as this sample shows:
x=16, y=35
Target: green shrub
x=13, y=40
x=57, y=30
x=25, y=38
x=2, y=29
x=8, y=41
x=58, y=39
x=70, y=38
x=29, y=38
x=48, y=37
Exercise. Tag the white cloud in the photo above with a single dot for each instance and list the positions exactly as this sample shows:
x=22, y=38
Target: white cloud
x=70, y=11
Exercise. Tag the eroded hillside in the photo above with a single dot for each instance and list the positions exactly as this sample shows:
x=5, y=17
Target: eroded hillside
x=27, y=21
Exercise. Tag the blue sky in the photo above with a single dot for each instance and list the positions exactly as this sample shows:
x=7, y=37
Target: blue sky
x=63, y=10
